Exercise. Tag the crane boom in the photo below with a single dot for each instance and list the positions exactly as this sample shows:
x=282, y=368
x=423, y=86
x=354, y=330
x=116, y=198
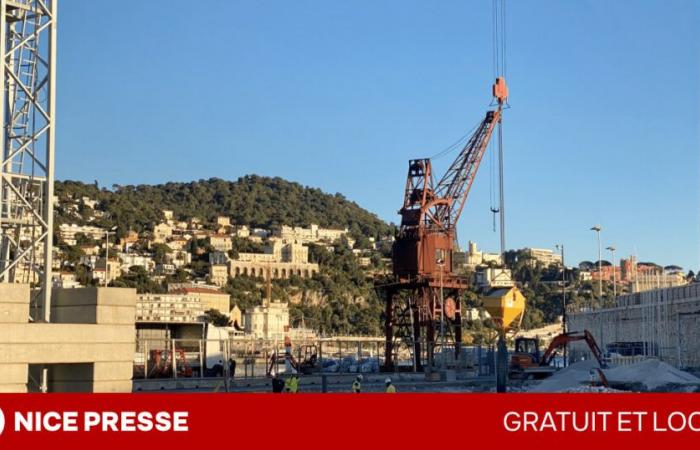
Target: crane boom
x=458, y=179
x=429, y=213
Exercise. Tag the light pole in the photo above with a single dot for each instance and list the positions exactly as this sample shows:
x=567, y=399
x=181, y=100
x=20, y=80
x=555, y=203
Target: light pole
x=560, y=247
x=441, y=263
x=597, y=229
x=612, y=250
x=107, y=233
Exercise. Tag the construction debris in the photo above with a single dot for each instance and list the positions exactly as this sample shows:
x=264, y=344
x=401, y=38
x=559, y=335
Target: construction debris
x=593, y=390
x=572, y=377
x=651, y=373
x=647, y=375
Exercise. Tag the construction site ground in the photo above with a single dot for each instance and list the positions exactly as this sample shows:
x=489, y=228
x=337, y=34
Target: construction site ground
x=404, y=382
x=647, y=375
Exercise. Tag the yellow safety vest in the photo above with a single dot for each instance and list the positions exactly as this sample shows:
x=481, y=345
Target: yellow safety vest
x=356, y=387
x=294, y=385
x=288, y=383
x=391, y=389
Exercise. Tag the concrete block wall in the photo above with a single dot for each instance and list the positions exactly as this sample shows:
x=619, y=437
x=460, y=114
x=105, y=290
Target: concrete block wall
x=88, y=346
x=87, y=377
x=96, y=305
x=667, y=319
x=14, y=310
x=14, y=303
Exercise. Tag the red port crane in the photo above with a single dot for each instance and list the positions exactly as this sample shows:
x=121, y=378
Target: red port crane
x=424, y=291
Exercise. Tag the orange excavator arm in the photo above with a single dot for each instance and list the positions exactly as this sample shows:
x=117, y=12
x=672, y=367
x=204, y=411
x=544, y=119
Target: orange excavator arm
x=573, y=336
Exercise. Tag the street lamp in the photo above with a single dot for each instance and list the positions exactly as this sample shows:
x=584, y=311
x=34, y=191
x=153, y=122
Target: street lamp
x=612, y=250
x=597, y=229
x=441, y=264
x=107, y=233
x=560, y=247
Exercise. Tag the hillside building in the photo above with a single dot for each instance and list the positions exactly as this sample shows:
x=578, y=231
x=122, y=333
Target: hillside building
x=209, y=297
x=161, y=232
x=218, y=274
x=267, y=322
x=544, y=256
x=474, y=257
x=639, y=277
x=220, y=242
x=169, y=308
x=312, y=234
x=281, y=258
x=68, y=232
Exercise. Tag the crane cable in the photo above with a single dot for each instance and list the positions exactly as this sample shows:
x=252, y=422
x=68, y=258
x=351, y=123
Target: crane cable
x=500, y=68
x=499, y=46
x=457, y=144
x=492, y=190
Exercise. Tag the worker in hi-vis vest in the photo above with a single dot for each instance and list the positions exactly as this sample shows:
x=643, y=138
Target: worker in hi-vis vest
x=390, y=388
x=357, y=384
x=292, y=384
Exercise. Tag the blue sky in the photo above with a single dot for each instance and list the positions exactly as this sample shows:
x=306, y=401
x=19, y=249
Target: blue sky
x=604, y=125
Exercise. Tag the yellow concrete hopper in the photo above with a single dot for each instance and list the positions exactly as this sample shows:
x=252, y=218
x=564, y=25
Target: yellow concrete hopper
x=505, y=305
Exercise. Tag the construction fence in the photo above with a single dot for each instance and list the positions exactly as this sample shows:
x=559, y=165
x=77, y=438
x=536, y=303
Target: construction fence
x=160, y=358
x=661, y=323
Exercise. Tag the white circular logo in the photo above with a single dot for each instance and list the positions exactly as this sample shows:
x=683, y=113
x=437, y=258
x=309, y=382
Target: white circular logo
x=2, y=421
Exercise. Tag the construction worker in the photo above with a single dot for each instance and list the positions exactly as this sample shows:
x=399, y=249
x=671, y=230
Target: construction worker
x=231, y=367
x=292, y=384
x=357, y=384
x=287, y=354
x=390, y=388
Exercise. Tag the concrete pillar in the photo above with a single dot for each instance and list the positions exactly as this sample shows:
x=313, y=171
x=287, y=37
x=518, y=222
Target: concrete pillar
x=14, y=309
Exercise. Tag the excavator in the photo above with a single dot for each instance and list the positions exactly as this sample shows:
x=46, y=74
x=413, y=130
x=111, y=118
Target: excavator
x=526, y=362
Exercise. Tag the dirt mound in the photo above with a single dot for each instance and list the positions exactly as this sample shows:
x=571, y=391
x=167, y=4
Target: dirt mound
x=649, y=374
x=571, y=377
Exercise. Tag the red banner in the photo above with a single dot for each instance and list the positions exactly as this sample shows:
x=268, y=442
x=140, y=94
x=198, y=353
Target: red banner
x=325, y=421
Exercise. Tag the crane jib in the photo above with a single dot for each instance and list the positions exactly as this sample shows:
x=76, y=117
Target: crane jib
x=439, y=207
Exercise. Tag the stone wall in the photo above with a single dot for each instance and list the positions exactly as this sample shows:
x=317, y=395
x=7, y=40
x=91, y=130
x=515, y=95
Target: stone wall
x=666, y=321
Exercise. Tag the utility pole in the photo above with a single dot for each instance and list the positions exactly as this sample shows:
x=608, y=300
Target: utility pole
x=560, y=247
x=612, y=250
x=107, y=233
x=441, y=263
x=597, y=229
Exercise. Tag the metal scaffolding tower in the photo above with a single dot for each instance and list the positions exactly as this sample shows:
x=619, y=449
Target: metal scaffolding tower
x=27, y=110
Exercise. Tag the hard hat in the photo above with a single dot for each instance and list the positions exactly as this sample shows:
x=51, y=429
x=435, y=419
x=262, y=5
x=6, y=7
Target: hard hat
x=359, y=378
x=387, y=381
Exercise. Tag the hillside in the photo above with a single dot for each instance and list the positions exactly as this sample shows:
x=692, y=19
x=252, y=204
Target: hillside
x=252, y=200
